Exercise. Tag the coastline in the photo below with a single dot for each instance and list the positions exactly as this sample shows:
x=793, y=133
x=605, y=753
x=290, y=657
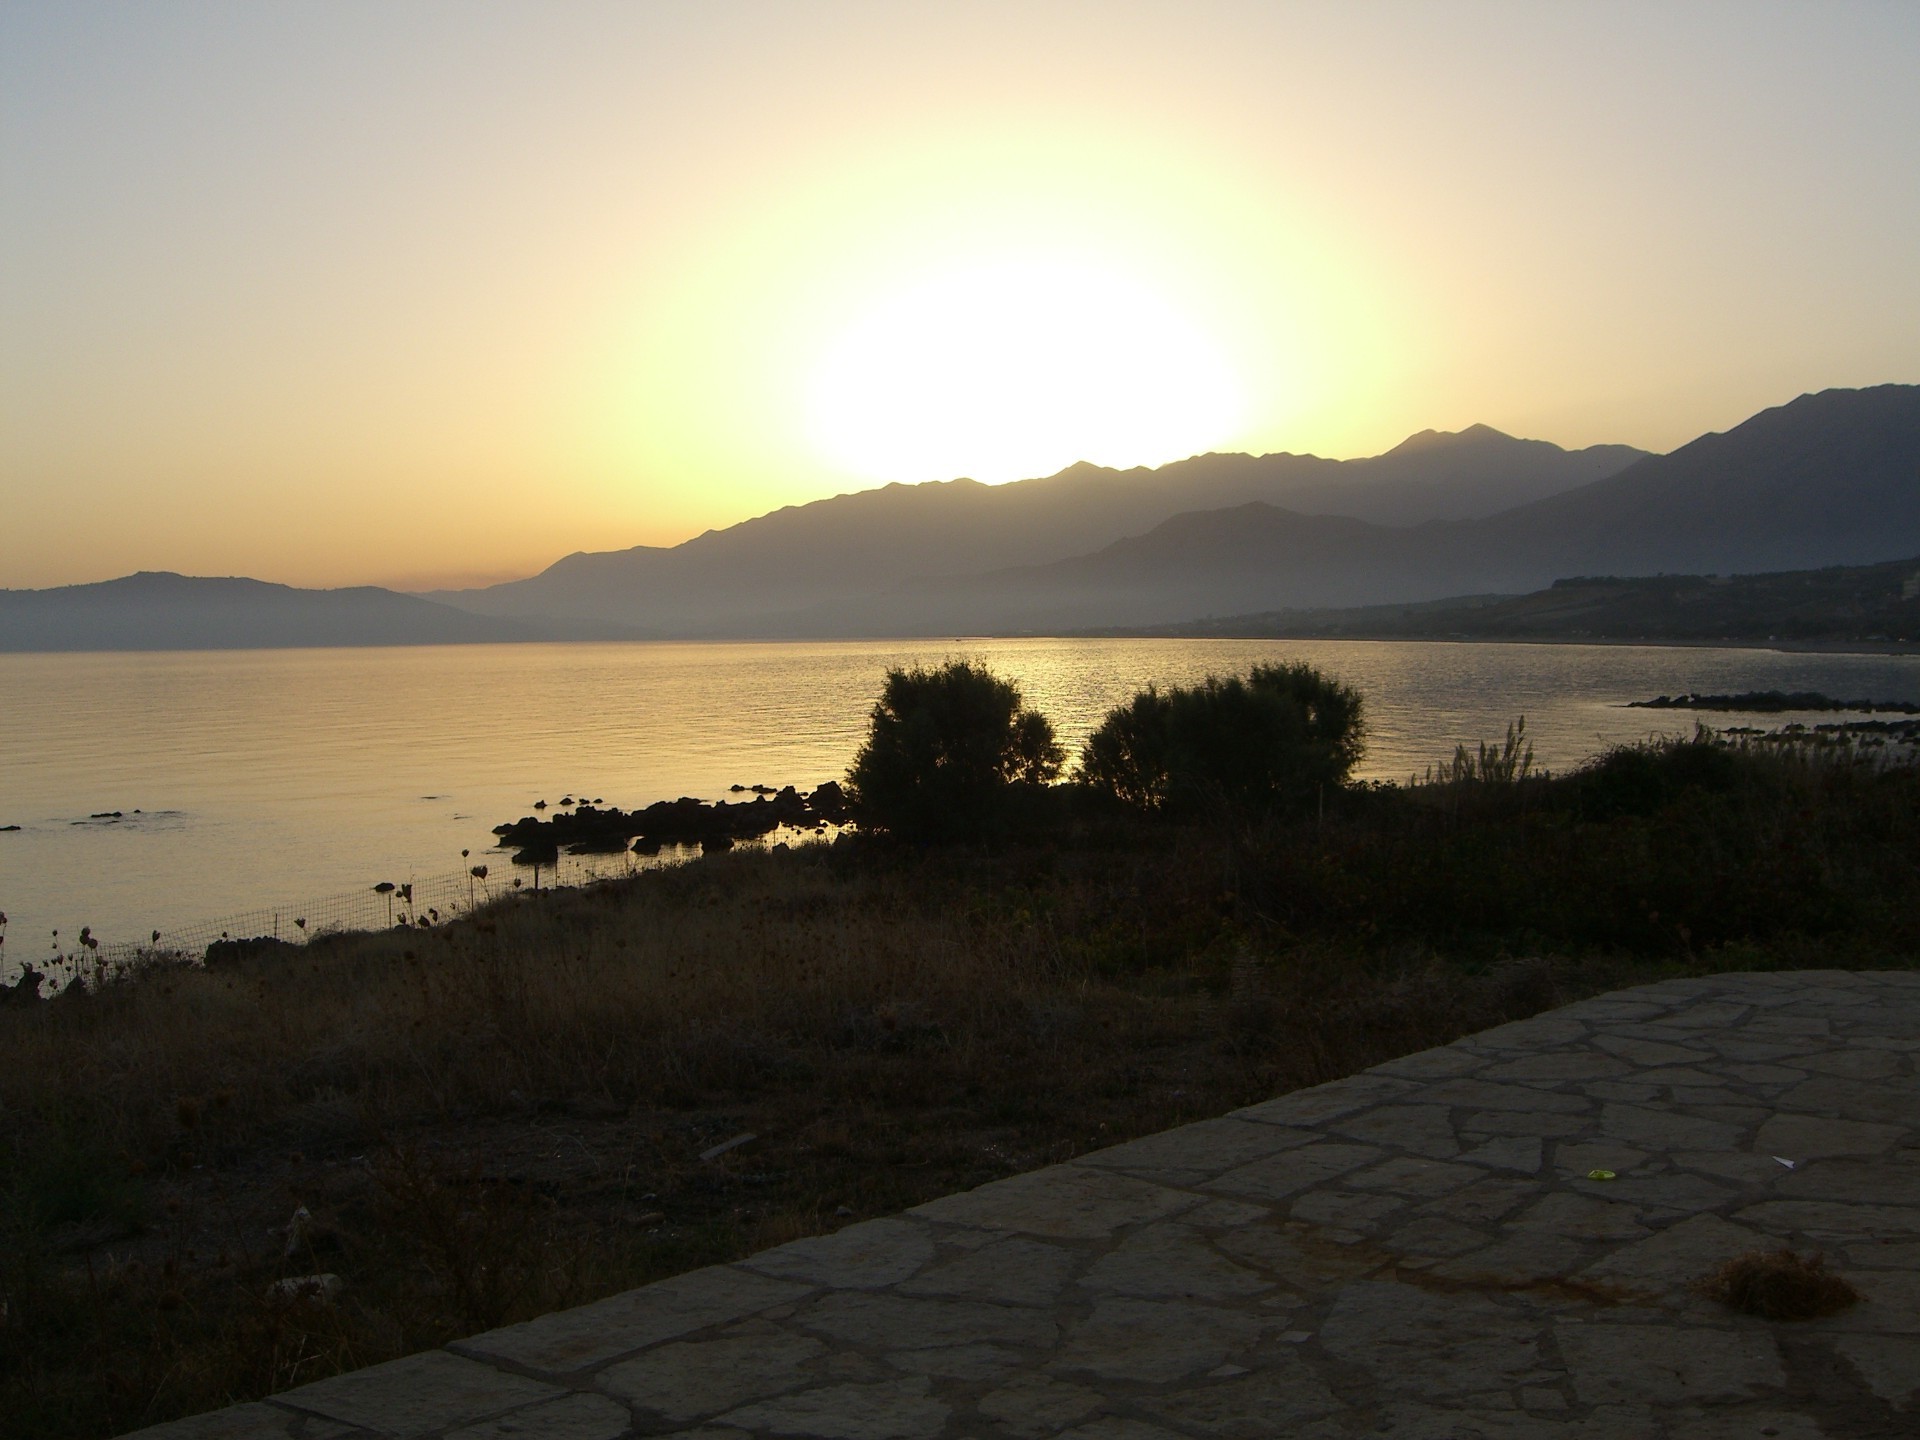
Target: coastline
x=275, y=780
x=1166, y=633
x=1768, y=644
x=550, y=1101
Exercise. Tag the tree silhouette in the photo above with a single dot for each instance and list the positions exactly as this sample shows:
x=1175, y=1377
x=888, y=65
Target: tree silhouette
x=1272, y=742
x=947, y=749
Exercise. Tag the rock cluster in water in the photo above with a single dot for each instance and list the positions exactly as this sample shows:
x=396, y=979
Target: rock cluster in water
x=1773, y=702
x=590, y=830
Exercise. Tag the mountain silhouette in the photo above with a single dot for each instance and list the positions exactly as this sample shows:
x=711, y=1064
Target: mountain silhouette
x=751, y=578
x=1835, y=604
x=159, y=610
x=1829, y=479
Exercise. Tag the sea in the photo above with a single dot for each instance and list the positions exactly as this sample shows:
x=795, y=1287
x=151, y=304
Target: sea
x=191, y=794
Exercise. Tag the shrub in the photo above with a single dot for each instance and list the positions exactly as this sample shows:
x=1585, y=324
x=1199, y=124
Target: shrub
x=1779, y=1285
x=1128, y=755
x=1509, y=763
x=1273, y=741
x=1642, y=779
x=947, y=750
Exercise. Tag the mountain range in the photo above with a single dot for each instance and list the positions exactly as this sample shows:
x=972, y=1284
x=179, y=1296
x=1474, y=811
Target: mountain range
x=820, y=568
x=1837, y=604
x=1828, y=479
x=158, y=610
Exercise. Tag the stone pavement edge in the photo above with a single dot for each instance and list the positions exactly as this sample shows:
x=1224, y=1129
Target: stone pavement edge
x=1416, y=1252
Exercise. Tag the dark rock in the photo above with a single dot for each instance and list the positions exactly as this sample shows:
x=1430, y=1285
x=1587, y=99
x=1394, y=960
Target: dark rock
x=258, y=947
x=598, y=845
x=686, y=821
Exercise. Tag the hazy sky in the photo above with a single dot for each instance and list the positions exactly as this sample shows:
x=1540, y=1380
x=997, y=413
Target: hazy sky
x=414, y=293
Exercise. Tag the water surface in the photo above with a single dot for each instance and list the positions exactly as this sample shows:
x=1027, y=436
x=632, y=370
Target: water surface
x=267, y=777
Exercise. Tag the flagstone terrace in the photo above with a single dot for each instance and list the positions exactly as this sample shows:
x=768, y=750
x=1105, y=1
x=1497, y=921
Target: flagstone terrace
x=1499, y=1238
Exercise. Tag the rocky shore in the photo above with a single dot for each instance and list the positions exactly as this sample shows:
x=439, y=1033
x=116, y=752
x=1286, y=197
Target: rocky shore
x=588, y=829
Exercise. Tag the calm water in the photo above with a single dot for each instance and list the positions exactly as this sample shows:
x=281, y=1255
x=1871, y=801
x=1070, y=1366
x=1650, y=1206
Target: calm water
x=266, y=777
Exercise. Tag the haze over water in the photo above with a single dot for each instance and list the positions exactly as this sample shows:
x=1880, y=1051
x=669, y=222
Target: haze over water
x=268, y=777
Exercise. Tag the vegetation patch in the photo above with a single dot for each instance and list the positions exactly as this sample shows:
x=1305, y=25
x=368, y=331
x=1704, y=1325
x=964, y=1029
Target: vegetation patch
x=1780, y=1285
x=220, y=1182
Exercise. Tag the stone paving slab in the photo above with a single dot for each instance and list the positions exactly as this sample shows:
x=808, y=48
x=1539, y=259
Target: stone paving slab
x=1416, y=1252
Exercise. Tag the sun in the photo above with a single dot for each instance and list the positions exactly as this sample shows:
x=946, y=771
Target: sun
x=1019, y=366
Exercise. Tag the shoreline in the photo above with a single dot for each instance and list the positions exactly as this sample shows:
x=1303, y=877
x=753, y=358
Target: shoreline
x=1784, y=647
x=1789, y=647
x=243, y=841
x=541, y=1104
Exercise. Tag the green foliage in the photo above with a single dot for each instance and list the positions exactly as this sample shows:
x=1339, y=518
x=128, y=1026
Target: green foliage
x=948, y=751
x=70, y=1175
x=1129, y=755
x=1509, y=763
x=1640, y=779
x=1665, y=849
x=1273, y=742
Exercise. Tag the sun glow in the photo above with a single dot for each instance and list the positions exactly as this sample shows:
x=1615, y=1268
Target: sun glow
x=1019, y=366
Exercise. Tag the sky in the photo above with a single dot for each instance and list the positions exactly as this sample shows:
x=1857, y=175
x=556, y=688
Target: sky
x=428, y=294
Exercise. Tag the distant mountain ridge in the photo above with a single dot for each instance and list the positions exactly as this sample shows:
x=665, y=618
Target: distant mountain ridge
x=1841, y=604
x=1828, y=479
x=762, y=575
x=160, y=610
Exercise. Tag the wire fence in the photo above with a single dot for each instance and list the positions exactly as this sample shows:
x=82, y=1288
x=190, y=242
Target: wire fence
x=429, y=902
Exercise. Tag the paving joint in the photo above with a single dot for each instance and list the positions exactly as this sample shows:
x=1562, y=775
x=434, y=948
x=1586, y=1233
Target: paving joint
x=1492, y=1240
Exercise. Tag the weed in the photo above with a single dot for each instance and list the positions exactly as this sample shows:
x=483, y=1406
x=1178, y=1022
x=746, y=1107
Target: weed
x=1779, y=1285
x=505, y=1114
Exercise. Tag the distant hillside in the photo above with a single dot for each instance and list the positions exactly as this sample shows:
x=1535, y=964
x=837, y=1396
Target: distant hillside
x=1209, y=562
x=158, y=610
x=765, y=575
x=1832, y=478
x=1460, y=475
x=1861, y=604
x=1829, y=479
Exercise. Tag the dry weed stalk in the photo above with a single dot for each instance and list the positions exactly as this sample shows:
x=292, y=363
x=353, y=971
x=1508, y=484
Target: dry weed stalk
x=1779, y=1285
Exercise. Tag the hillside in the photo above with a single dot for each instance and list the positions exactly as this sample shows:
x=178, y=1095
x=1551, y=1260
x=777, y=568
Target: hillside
x=159, y=610
x=1200, y=563
x=766, y=575
x=1864, y=604
x=1829, y=479
x=1832, y=478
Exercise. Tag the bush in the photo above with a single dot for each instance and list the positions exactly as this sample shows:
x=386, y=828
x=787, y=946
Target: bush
x=1129, y=755
x=948, y=749
x=1507, y=764
x=1271, y=742
x=1642, y=779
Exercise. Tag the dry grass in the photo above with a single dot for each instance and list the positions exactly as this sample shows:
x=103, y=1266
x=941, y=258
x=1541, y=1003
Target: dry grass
x=505, y=1116
x=508, y=1115
x=737, y=974
x=1779, y=1285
